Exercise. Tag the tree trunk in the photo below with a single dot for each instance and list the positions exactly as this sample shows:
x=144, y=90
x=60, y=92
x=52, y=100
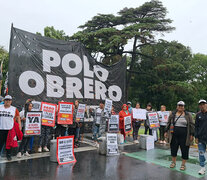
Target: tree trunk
x=131, y=67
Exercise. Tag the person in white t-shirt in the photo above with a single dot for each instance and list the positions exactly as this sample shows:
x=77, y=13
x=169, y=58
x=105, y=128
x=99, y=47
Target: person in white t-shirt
x=8, y=114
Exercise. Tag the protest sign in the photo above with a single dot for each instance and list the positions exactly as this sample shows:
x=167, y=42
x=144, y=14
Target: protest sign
x=65, y=150
x=113, y=123
x=112, y=146
x=65, y=113
x=163, y=116
x=153, y=120
x=48, y=114
x=107, y=107
x=81, y=112
x=139, y=113
x=33, y=123
x=127, y=124
x=36, y=106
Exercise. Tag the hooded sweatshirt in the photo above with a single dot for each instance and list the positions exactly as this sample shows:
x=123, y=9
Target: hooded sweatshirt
x=123, y=114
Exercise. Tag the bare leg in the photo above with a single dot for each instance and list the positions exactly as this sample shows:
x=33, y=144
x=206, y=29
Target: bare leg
x=183, y=162
x=174, y=159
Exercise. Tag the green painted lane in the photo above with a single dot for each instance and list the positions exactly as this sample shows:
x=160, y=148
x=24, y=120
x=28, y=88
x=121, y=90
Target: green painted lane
x=162, y=157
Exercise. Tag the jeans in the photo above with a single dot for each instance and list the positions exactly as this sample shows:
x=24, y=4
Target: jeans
x=136, y=126
x=202, y=150
x=24, y=144
x=95, y=131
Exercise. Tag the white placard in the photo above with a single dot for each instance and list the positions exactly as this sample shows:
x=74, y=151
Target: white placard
x=33, y=123
x=112, y=146
x=113, y=123
x=107, y=107
x=163, y=116
x=139, y=113
x=81, y=111
x=66, y=108
x=153, y=120
x=127, y=124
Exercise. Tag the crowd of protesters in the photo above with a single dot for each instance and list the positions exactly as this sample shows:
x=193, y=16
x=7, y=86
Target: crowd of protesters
x=179, y=130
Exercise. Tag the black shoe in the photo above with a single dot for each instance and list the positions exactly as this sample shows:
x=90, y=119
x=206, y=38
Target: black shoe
x=8, y=157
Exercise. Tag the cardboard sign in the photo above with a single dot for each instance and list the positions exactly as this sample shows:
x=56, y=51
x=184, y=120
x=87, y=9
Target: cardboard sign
x=65, y=150
x=36, y=106
x=127, y=124
x=113, y=123
x=153, y=120
x=107, y=107
x=48, y=114
x=81, y=112
x=139, y=113
x=65, y=113
x=163, y=116
x=33, y=123
x=112, y=146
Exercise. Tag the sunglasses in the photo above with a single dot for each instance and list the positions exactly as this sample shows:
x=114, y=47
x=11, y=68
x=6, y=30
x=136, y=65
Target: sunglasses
x=181, y=105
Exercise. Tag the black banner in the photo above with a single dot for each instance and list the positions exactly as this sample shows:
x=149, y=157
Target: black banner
x=51, y=70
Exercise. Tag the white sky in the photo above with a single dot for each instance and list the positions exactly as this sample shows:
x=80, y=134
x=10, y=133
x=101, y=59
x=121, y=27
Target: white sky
x=189, y=17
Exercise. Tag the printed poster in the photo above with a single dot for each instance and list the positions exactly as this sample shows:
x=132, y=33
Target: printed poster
x=65, y=113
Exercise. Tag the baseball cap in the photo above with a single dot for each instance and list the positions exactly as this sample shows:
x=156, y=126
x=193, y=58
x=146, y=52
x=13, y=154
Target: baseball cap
x=202, y=101
x=8, y=97
x=128, y=102
x=181, y=103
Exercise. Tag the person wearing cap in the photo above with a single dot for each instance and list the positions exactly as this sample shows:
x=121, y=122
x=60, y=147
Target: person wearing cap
x=129, y=104
x=8, y=115
x=146, y=122
x=201, y=134
x=99, y=124
x=179, y=131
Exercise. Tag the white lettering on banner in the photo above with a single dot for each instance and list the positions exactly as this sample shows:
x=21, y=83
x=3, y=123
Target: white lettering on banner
x=88, y=88
x=66, y=64
x=50, y=59
x=54, y=86
x=87, y=71
x=24, y=83
x=74, y=87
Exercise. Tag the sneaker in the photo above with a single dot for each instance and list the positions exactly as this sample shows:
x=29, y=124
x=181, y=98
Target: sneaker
x=27, y=154
x=136, y=142
x=39, y=150
x=125, y=141
x=202, y=171
x=45, y=149
x=19, y=155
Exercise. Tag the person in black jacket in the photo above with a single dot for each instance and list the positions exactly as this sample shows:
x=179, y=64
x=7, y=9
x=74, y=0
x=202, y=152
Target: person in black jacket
x=201, y=134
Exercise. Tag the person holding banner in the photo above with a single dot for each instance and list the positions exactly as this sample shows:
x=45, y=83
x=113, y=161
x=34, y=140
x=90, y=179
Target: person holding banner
x=146, y=123
x=180, y=130
x=136, y=123
x=163, y=118
x=99, y=124
x=122, y=114
x=74, y=129
x=8, y=116
x=23, y=148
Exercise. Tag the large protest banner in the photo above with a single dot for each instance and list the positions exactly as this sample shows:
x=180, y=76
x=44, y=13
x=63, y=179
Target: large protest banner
x=48, y=114
x=65, y=150
x=54, y=70
x=65, y=113
x=153, y=120
x=33, y=123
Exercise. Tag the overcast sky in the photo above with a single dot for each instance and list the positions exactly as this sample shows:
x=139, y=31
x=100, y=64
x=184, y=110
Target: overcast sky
x=189, y=17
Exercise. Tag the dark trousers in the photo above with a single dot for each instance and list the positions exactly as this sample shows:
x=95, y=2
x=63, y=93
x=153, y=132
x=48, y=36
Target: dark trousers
x=60, y=130
x=24, y=144
x=162, y=132
x=74, y=131
x=3, y=138
x=136, y=126
x=146, y=129
x=179, y=140
x=44, y=137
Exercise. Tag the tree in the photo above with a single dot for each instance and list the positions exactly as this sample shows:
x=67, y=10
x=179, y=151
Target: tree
x=55, y=34
x=109, y=34
x=165, y=78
